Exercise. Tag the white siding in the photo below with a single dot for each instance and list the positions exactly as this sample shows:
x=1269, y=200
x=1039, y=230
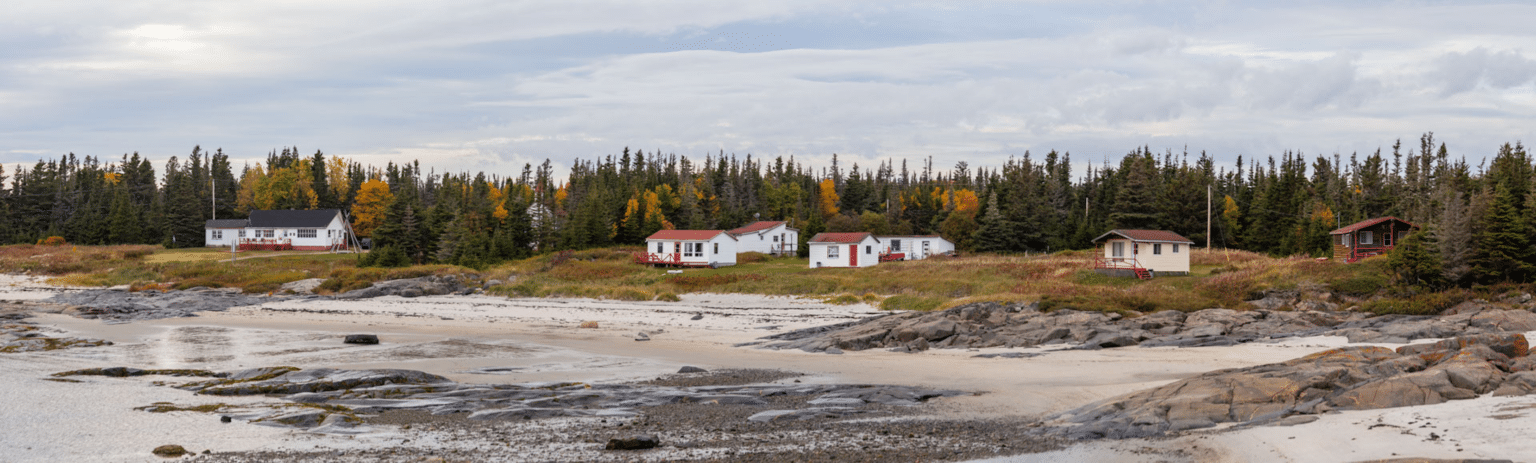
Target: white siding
x=1145, y=255
x=763, y=240
x=868, y=250
x=725, y=257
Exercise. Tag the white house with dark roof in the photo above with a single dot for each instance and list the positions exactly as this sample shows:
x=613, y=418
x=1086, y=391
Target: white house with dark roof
x=1142, y=253
x=766, y=237
x=306, y=230
x=914, y=247
x=689, y=248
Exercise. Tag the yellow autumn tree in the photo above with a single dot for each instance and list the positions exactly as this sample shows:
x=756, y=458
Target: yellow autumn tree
x=829, y=198
x=372, y=203
x=336, y=173
x=966, y=202
x=498, y=198
x=246, y=200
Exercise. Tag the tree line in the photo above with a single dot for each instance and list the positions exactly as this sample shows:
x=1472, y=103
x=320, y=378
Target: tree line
x=1476, y=221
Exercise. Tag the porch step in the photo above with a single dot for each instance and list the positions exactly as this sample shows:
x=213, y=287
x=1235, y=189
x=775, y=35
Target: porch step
x=1142, y=274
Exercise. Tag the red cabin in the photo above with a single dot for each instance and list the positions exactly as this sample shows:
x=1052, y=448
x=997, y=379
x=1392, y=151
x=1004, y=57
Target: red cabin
x=1369, y=238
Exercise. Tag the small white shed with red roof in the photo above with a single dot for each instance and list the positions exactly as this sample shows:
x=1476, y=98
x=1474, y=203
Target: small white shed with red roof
x=844, y=250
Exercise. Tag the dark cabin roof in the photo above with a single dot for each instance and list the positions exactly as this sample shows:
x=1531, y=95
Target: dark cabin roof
x=227, y=223
x=1357, y=226
x=289, y=218
x=1147, y=235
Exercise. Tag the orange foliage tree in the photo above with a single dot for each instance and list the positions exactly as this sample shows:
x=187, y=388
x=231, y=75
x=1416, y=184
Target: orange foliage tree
x=373, y=199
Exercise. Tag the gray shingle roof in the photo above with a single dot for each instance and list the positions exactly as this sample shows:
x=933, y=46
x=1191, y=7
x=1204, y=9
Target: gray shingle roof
x=227, y=223
x=290, y=218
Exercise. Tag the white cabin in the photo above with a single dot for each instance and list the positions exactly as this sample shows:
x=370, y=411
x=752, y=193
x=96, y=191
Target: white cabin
x=1142, y=253
x=844, y=250
x=915, y=247
x=689, y=248
x=774, y=238
x=305, y=230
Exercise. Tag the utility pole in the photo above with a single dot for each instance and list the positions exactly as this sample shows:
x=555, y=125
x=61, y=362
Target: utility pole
x=213, y=195
x=1207, y=216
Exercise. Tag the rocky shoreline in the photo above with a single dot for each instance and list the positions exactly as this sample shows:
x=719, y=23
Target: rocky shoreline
x=989, y=324
x=724, y=415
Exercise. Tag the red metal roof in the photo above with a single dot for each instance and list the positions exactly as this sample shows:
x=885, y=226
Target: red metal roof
x=754, y=227
x=685, y=235
x=1367, y=223
x=839, y=237
x=1147, y=235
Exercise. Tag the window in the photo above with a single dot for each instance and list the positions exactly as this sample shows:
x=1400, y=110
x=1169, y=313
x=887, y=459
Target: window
x=241, y=233
x=832, y=251
x=658, y=247
x=1117, y=249
x=1366, y=237
x=775, y=239
x=717, y=248
x=1157, y=249
x=307, y=233
x=266, y=233
x=693, y=249
x=925, y=248
x=895, y=245
x=1175, y=249
x=218, y=234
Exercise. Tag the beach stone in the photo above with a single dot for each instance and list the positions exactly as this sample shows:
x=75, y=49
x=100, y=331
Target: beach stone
x=697, y=316
x=642, y=337
x=633, y=443
x=690, y=369
x=170, y=451
x=305, y=286
x=361, y=339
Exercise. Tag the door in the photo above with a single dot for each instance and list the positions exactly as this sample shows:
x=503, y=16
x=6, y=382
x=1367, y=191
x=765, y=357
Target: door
x=853, y=255
x=677, y=249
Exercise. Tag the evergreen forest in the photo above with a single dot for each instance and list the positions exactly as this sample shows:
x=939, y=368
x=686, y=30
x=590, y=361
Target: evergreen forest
x=1476, y=220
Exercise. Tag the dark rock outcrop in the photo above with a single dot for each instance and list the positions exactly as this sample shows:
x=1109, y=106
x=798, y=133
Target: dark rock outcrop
x=361, y=339
x=633, y=443
x=989, y=324
x=1349, y=378
x=124, y=306
x=413, y=287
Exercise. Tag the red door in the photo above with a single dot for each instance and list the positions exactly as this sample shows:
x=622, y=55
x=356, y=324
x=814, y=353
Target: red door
x=853, y=255
x=677, y=249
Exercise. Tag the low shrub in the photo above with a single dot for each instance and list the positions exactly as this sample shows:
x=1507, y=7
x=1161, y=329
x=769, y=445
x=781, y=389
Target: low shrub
x=750, y=257
x=910, y=302
x=696, y=283
x=668, y=297
x=52, y=241
x=1419, y=304
x=843, y=299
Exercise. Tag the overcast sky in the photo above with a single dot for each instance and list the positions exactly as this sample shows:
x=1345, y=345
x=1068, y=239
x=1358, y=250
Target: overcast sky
x=490, y=85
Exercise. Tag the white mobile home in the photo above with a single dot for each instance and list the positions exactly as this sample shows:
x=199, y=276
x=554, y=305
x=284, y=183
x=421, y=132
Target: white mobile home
x=307, y=230
x=1142, y=253
x=766, y=237
x=689, y=248
x=915, y=247
x=844, y=250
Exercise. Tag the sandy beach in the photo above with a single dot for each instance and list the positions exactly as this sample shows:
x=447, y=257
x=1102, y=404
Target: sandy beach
x=493, y=340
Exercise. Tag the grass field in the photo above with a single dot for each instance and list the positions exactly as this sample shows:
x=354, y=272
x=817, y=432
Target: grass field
x=1219, y=278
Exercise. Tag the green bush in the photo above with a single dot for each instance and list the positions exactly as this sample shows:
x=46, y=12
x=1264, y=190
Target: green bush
x=909, y=302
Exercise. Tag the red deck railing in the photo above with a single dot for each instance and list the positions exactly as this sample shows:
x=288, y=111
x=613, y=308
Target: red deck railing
x=1360, y=252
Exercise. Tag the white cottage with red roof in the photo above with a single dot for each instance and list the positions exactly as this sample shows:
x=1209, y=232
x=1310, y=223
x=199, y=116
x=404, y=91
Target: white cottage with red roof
x=766, y=237
x=1142, y=253
x=689, y=248
x=844, y=250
